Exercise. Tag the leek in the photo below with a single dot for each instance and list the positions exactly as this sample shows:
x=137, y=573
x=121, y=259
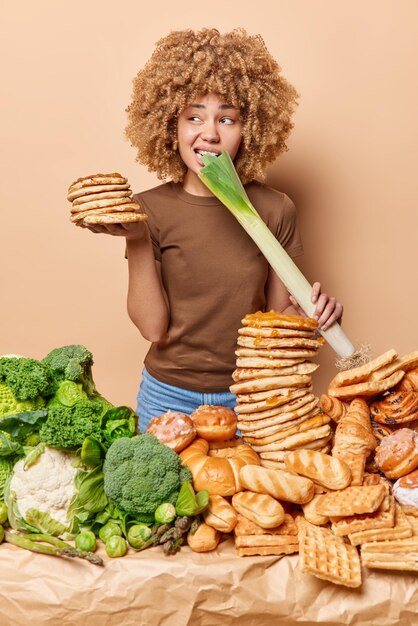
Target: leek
x=221, y=178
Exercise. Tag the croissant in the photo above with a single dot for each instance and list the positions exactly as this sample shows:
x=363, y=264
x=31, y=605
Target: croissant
x=395, y=407
x=333, y=407
x=354, y=439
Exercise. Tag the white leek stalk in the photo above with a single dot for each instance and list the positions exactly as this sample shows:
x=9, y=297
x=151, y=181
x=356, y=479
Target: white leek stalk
x=221, y=178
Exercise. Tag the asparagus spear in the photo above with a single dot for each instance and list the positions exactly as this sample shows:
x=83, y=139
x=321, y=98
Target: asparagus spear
x=35, y=542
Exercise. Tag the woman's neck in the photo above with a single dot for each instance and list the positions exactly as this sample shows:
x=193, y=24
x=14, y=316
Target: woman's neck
x=193, y=185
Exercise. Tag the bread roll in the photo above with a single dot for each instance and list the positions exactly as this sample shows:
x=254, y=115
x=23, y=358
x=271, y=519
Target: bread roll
x=218, y=474
x=220, y=514
x=311, y=514
x=261, y=509
x=277, y=483
x=204, y=539
x=214, y=423
x=323, y=469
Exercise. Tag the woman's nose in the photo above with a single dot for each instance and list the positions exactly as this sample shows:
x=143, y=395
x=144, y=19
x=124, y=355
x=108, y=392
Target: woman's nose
x=210, y=132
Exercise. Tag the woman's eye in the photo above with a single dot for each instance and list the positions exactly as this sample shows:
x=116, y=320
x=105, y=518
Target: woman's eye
x=227, y=120
x=194, y=118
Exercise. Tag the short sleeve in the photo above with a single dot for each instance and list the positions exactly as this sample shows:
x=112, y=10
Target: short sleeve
x=151, y=225
x=287, y=232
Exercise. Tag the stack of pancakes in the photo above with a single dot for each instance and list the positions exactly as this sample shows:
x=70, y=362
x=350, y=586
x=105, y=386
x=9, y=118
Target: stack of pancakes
x=277, y=410
x=103, y=199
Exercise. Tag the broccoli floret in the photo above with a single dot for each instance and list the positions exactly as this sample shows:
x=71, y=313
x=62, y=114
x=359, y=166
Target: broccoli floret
x=27, y=378
x=73, y=363
x=140, y=473
x=67, y=427
x=23, y=385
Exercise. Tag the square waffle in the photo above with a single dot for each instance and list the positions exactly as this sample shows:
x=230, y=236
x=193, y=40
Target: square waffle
x=326, y=556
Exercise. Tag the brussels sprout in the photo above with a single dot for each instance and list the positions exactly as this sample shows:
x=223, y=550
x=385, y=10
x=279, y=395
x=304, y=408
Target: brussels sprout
x=86, y=541
x=1, y=533
x=116, y=546
x=139, y=536
x=165, y=513
x=110, y=529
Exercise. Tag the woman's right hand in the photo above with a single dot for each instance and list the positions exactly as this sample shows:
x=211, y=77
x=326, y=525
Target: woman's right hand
x=129, y=230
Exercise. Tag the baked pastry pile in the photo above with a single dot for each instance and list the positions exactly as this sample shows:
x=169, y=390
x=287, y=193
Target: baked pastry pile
x=335, y=478
x=277, y=410
x=103, y=199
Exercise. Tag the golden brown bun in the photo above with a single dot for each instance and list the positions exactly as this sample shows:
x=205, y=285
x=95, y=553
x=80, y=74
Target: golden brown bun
x=175, y=430
x=220, y=514
x=204, y=539
x=277, y=483
x=214, y=423
x=218, y=474
x=323, y=469
x=260, y=508
x=397, y=454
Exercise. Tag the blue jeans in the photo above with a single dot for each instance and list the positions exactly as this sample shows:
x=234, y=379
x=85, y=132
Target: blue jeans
x=155, y=398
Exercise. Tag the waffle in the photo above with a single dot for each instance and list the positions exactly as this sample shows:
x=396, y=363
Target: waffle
x=358, y=523
x=326, y=556
x=251, y=539
x=401, y=530
x=351, y=501
x=398, y=554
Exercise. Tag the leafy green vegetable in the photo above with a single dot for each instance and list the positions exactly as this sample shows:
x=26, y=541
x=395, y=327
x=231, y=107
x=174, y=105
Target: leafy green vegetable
x=42, y=521
x=67, y=427
x=22, y=425
x=92, y=452
x=28, y=379
x=6, y=470
x=190, y=503
x=8, y=447
x=119, y=422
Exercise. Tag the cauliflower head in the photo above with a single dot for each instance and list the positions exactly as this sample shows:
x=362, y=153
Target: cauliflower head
x=46, y=486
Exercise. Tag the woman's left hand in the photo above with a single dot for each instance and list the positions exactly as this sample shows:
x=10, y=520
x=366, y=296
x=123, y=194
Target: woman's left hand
x=328, y=310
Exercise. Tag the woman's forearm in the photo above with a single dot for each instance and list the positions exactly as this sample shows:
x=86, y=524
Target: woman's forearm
x=147, y=303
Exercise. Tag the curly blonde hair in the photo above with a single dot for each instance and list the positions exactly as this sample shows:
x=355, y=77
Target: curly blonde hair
x=239, y=69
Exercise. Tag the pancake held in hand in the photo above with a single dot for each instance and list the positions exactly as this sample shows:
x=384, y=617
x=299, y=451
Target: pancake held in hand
x=115, y=218
x=105, y=195
x=98, y=179
x=85, y=191
x=103, y=199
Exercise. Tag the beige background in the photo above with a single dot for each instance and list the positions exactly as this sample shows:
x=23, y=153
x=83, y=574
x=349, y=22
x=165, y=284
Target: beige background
x=351, y=167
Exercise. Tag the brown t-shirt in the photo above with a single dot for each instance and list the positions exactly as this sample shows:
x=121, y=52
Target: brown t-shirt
x=213, y=274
